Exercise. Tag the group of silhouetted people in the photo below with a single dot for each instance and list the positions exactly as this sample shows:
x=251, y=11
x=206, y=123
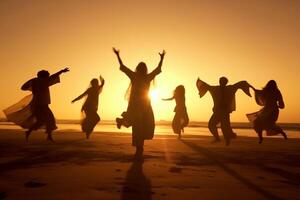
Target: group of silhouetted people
x=224, y=104
x=33, y=112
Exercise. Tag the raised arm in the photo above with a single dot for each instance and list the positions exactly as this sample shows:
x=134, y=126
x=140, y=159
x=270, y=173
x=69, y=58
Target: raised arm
x=60, y=72
x=80, y=97
x=245, y=86
x=202, y=87
x=123, y=68
x=102, y=81
x=27, y=85
x=157, y=70
x=54, y=78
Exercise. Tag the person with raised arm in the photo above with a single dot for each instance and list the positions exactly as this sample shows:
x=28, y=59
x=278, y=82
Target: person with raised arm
x=139, y=112
x=41, y=112
x=181, y=118
x=265, y=119
x=224, y=103
x=90, y=106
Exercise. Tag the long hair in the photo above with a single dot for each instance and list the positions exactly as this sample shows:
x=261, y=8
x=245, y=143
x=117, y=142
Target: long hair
x=179, y=91
x=142, y=71
x=271, y=86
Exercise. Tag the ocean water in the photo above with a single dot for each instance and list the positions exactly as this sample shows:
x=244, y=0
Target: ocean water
x=159, y=130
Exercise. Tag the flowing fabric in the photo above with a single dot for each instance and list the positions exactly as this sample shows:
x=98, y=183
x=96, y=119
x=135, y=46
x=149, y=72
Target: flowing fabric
x=32, y=111
x=265, y=119
x=139, y=112
x=223, y=99
x=89, y=109
x=21, y=113
x=180, y=120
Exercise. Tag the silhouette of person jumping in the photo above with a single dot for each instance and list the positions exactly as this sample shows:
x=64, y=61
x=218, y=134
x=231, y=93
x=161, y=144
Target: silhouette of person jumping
x=181, y=118
x=224, y=103
x=139, y=112
x=90, y=106
x=265, y=119
x=41, y=100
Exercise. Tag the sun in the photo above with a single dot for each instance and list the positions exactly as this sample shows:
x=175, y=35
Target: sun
x=153, y=95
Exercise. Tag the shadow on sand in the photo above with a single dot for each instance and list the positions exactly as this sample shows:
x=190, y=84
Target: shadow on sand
x=137, y=185
x=77, y=152
x=215, y=158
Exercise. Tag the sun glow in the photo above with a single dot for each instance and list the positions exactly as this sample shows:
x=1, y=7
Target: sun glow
x=153, y=94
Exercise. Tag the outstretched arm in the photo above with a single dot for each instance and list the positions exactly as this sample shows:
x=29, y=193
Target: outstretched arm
x=202, y=87
x=123, y=68
x=54, y=78
x=79, y=97
x=243, y=85
x=168, y=99
x=157, y=70
x=27, y=85
x=60, y=72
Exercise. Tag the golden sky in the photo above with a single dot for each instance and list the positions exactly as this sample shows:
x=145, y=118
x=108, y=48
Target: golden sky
x=242, y=40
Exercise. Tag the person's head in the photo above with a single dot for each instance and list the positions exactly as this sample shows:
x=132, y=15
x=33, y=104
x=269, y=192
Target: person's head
x=223, y=81
x=141, y=68
x=94, y=82
x=43, y=74
x=271, y=85
x=179, y=90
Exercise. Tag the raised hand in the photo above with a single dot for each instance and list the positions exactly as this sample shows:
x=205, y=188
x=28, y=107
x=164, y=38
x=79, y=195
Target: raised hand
x=101, y=79
x=65, y=70
x=116, y=51
x=162, y=54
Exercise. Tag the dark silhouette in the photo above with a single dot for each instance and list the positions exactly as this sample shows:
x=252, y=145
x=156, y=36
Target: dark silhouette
x=139, y=112
x=224, y=103
x=137, y=185
x=90, y=106
x=41, y=100
x=265, y=119
x=181, y=118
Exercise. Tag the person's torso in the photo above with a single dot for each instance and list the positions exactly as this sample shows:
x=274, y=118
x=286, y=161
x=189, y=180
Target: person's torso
x=41, y=92
x=140, y=90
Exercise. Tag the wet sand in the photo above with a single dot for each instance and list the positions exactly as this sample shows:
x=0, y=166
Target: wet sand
x=103, y=168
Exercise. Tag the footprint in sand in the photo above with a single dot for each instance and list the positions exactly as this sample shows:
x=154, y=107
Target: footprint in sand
x=34, y=184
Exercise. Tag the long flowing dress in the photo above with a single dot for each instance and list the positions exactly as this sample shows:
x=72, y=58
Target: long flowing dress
x=33, y=110
x=181, y=118
x=265, y=119
x=139, y=112
x=90, y=108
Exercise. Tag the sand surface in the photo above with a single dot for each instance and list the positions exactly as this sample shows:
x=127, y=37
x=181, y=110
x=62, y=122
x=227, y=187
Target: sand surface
x=103, y=168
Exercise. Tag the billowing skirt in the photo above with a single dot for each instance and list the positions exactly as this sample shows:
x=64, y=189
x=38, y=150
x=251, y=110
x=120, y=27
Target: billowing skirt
x=90, y=120
x=180, y=120
x=141, y=118
x=21, y=113
x=265, y=119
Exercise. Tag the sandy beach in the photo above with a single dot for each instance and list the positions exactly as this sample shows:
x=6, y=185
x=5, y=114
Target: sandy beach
x=103, y=168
